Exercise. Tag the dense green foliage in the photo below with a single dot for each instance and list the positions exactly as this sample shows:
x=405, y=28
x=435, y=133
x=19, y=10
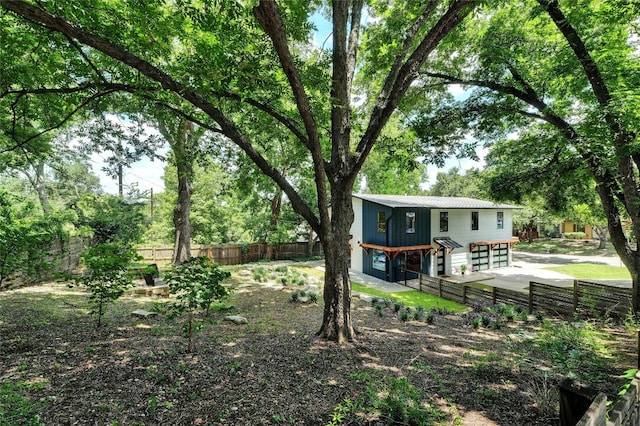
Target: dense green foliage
x=26, y=239
x=108, y=218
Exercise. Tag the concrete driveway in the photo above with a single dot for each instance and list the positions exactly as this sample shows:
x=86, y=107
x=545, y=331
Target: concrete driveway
x=532, y=267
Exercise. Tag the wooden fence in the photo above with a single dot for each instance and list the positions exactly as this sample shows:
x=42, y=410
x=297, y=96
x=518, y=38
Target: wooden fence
x=626, y=412
x=585, y=297
x=232, y=254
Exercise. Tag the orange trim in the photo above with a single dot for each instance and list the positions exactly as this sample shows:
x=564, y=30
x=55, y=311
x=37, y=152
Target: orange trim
x=393, y=252
x=494, y=243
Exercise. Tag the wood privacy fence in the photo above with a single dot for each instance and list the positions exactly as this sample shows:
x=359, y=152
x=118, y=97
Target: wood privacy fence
x=585, y=297
x=233, y=254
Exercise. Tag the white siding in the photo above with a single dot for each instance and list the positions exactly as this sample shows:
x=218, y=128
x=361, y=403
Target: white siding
x=356, y=233
x=460, y=230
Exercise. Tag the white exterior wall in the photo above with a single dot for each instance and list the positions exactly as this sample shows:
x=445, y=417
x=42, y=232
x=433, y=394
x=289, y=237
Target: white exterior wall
x=356, y=233
x=460, y=231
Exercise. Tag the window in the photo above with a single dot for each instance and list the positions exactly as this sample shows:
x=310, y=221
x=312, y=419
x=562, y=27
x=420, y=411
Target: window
x=474, y=221
x=413, y=260
x=379, y=260
x=500, y=220
x=411, y=222
x=382, y=222
x=444, y=221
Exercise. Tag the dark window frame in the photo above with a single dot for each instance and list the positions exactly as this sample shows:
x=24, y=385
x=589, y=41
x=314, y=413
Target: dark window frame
x=444, y=221
x=382, y=222
x=475, y=221
x=500, y=220
x=411, y=222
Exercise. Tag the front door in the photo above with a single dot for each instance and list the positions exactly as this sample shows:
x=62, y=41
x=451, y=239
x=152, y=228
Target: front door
x=441, y=262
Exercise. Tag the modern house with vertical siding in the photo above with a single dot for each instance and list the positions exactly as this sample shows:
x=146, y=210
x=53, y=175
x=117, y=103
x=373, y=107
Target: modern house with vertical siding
x=393, y=236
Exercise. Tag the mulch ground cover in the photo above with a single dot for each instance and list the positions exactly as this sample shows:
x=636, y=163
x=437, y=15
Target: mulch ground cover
x=274, y=370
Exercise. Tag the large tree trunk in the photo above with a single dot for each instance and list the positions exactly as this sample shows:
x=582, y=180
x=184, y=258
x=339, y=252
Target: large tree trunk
x=601, y=231
x=336, y=321
x=276, y=208
x=184, y=166
x=181, y=222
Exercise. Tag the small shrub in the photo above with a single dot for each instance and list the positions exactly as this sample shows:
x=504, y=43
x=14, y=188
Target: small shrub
x=374, y=301
x=313, y=297
x=485, y=320
x=282, y=268
x=509, y=314
x=197, y=284
x=429, y=317
x=575, y=235
x=295, y=296
x=108, y=276
x=397, y=306
x=379, y=309
x=260, y=274
x=476, y=323
x=403, y=315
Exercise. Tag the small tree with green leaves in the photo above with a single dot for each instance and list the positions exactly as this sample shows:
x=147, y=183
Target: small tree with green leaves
x=197, y=285
x=107, y=277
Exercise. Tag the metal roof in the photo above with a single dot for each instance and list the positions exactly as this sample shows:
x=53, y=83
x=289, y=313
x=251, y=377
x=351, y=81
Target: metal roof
x=432, y=202
x=447, y=242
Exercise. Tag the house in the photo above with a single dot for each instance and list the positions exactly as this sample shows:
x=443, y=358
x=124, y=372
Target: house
x=393, y=235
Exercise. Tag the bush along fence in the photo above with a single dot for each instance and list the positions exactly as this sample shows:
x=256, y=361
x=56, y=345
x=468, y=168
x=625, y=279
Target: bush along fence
x=587, y=298
x=233, y=254
x=591, y=299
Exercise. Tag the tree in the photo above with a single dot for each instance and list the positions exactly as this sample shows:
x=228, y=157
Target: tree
x=26, y=239
x=109, y=219
x=213, y=62
x=197, y=285
x=108, y=278
x=455, y=184
x=565, y=70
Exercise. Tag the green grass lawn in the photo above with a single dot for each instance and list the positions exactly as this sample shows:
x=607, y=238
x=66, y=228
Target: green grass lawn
x=411, y=298
x=593, y=271
x=565, y=246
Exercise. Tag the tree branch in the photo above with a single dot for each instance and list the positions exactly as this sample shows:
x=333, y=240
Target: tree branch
x=399, y=84
x=268, y=17
x=55, y=126
x=48, y=20
x=273, y=113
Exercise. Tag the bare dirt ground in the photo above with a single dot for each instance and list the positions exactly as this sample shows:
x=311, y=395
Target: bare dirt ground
x=274, y=370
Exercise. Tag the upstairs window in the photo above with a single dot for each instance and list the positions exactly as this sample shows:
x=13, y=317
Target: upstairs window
x=382, y=222
x=411, y=222
x=500, y=220
x=475, y=221
x=444, y=221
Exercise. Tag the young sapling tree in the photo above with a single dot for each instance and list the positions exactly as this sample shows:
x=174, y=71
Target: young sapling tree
x=108, y=278
x=197, y=285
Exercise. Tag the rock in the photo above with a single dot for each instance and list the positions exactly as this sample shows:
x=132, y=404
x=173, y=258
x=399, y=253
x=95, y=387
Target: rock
x=237, y=319
x=143, y=314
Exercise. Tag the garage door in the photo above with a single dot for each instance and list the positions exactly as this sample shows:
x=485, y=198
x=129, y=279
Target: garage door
x=480, y=258
x=501, y=255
